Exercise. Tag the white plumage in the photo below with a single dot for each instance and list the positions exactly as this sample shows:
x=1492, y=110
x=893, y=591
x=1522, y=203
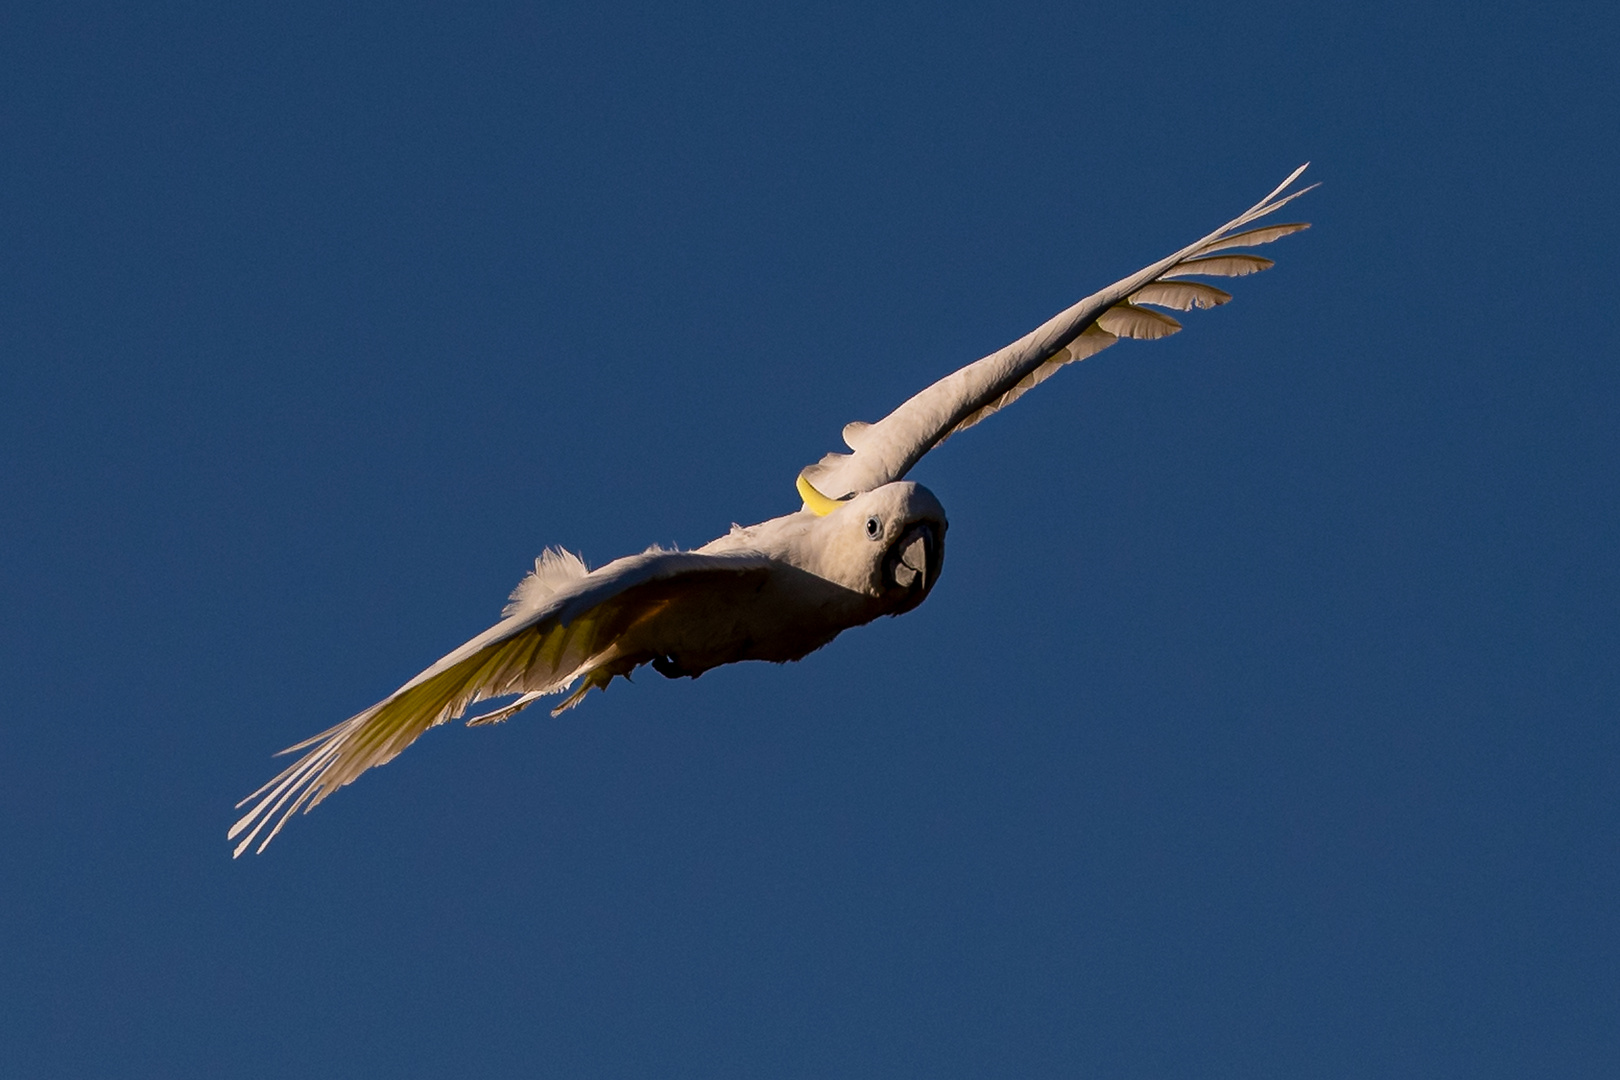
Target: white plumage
x=865, y=543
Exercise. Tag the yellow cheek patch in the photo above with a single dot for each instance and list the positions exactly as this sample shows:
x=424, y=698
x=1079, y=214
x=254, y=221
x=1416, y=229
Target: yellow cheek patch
x=814, y=501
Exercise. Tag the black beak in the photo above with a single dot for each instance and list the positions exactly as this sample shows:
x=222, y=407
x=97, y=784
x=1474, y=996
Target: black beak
x=916, y=559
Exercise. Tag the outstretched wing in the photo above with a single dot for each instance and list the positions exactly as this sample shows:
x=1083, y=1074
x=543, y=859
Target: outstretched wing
x=577, y=632
x=886, y=451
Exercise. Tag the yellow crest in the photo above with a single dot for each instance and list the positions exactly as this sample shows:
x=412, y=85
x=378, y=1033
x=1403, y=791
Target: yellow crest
x=814, y=501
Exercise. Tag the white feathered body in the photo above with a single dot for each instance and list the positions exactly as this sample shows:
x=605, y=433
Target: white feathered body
x=776, y=591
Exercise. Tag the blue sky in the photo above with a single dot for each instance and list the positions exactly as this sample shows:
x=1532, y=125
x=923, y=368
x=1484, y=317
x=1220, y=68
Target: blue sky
x=1262, y=723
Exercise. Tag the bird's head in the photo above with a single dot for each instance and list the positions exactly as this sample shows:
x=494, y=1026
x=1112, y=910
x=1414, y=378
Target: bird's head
x=888, y=543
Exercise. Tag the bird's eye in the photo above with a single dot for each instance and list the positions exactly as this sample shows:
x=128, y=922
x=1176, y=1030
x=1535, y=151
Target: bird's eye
x=874, y=528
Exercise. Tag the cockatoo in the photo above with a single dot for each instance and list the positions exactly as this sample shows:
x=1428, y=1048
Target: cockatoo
x=866, y=542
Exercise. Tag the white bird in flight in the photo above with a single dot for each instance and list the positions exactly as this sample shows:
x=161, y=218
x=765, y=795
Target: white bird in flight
x=866, y=542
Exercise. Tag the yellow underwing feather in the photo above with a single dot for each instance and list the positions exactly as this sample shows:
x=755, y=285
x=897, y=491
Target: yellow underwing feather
x=543, y=658
x=596, y=680
x=578, y=632
x=505, y=712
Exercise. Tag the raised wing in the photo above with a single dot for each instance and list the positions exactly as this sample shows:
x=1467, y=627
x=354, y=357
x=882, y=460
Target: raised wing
x=563, y=625
x=886, y=451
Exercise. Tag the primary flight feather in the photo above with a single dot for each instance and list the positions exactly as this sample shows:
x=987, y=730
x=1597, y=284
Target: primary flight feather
x=866, y=542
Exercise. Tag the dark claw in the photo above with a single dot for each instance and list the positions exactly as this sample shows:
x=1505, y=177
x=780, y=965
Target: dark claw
x=669, y=667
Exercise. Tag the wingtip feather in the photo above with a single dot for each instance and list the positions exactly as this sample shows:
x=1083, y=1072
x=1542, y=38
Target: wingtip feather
x=1284, y=185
